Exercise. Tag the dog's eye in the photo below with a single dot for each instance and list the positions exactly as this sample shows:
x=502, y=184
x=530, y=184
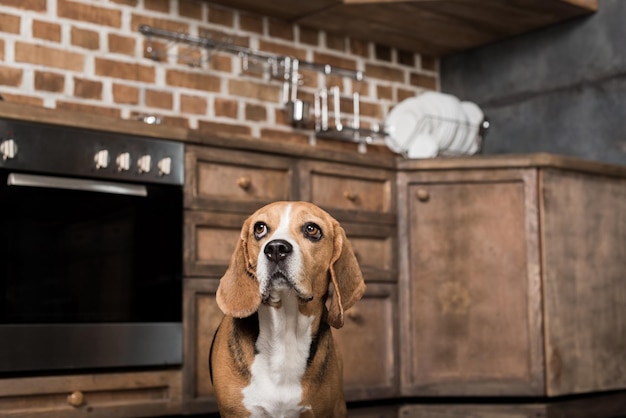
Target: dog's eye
x=312, y=231
x=260, y=230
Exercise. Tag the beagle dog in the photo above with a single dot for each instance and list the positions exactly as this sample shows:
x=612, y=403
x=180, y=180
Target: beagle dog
x=273, y=354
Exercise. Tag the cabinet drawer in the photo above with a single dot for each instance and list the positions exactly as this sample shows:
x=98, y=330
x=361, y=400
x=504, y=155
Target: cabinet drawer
x=209, y=241
x=367, y=342
x=235, y=181
x=375, y=247
x=341, y=188
x=101, y=395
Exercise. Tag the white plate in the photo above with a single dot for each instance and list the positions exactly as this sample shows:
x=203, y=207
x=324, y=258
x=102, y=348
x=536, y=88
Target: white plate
x=423, y=146
x=401, y=125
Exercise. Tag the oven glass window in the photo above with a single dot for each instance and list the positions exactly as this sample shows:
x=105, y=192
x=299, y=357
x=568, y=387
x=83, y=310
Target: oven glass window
x=89, y=257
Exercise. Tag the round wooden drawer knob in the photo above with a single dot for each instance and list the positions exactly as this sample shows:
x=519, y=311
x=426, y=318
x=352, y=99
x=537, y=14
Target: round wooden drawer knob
x=351, y=196
x=355, y=316
x=244, y=182
x=76, y=399
x=422, y=195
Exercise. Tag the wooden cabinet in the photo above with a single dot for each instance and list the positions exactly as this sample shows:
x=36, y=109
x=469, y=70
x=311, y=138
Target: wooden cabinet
x=224, y=186
x=512, y=280
x=98, y=395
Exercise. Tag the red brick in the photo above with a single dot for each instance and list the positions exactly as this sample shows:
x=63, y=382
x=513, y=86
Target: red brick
x=221, y=16
x=159, y=99
x=281, y=29
x=125, y=94
x=221, y=62
x=162, y=6
x=85, y=108
x=124, y=70
x=89, y=13
x=190, y=8
x=282, y=49
x=384, y=92
x=335, y=60
x=9, y=23
x=225, y=108
x=265, y=92
x=1, y=49
x=406, y=58
x=425, y=81
x=119, y=44
x=84, y=38
x=166, y=24
x=383, y=72
x=189, y=56
x=221, y=36
x=360, y=47
x=19, y=98
x=256, y=113
x=382, y=53
x=179, y=121
x=47, y=81
x=155, y=50
x=369, y=109
x=133, y=3
x=46, y=30
x=10, y=76
x=49, y=57
x=216, y=128
x=87, y=89
x=193, y=104
x=429, y=63
x=35, y=5
x=193, y=80
x=251, y=23
x=336, y=42
x=309, y=36
x=404, y=94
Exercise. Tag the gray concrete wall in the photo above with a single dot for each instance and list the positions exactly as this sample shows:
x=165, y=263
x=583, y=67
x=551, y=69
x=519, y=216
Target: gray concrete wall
x=561, y=89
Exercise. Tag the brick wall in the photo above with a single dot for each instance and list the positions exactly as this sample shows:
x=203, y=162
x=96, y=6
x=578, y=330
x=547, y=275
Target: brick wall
x=88, y=56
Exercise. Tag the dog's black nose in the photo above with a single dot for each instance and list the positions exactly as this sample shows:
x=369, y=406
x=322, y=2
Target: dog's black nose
x=277, y=250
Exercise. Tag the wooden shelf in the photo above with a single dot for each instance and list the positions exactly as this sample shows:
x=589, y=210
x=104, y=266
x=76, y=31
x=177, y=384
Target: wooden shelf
x=430, y=27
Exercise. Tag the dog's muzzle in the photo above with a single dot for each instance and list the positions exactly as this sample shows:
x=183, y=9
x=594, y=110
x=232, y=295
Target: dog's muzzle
x=278, y=254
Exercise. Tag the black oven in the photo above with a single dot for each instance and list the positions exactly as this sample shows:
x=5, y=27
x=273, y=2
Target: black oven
x=90, y=249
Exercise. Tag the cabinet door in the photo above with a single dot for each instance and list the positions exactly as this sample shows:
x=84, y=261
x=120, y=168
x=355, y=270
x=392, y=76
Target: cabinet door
x=202, y=316
x=471, y=309
x=368, y=342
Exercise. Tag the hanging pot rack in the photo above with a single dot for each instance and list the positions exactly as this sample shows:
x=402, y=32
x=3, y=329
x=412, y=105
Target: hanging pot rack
x=286, y=68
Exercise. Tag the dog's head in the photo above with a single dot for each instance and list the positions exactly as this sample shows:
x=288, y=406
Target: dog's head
x=291, y=247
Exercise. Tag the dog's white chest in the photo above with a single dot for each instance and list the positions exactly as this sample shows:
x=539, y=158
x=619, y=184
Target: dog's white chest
x=283, y=345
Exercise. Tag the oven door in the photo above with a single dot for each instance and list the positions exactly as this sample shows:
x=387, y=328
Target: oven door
x=90, y=273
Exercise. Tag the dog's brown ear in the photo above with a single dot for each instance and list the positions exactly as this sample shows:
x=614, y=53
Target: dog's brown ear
x=346, y=276
x=238, y=292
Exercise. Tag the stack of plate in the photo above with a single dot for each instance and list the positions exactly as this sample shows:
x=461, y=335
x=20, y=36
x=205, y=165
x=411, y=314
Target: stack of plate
x=434, y=124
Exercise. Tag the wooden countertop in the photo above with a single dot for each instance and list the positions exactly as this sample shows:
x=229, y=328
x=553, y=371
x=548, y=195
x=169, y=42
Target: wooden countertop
x=385, y=161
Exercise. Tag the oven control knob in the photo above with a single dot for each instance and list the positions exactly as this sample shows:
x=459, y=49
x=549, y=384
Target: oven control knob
x=8, y=149
x=123, y=162
x=165, y=166
x=144, y=164
x=102, y=159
